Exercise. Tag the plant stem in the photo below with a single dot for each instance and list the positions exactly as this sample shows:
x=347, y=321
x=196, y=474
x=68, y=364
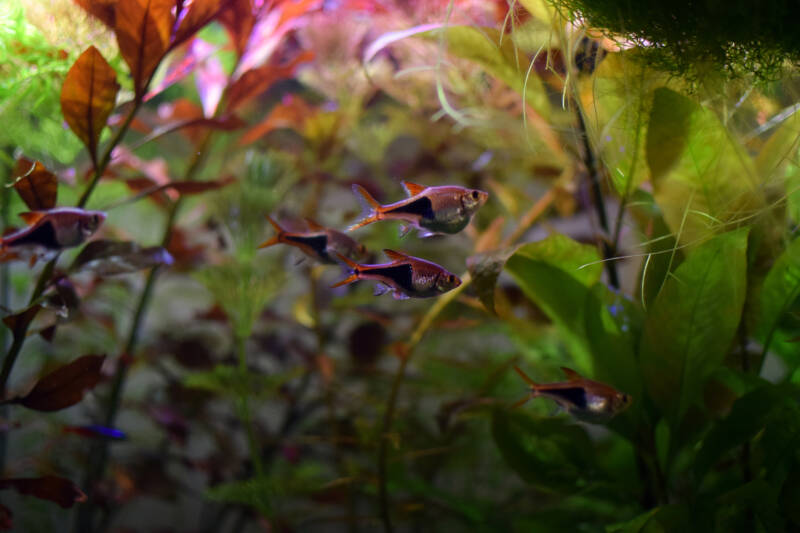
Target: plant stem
x=245, y=412
x=593, y=172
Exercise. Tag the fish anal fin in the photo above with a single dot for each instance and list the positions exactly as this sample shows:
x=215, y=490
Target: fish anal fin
x=313, y=225
x=404, y=230
x=397, y=295
x=32, y=217
x=380, y=289
x=571, y=374
x=413, y=188
x=395, y=256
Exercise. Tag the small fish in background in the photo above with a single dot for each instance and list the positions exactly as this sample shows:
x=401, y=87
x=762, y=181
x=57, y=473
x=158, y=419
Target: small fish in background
x=95, y=431
x=432, y=210
x=52, y=230
x=586, y=400
x=405, y=276
x=318, y=242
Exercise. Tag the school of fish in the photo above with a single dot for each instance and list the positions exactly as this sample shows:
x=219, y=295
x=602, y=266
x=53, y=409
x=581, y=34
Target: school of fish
x=437, y=210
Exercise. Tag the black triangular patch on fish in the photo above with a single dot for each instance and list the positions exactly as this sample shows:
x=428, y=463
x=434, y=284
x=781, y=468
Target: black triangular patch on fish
x=43, y=235
x=318, y=243
x=572, y=396
x=421, y=207
x=402, y=275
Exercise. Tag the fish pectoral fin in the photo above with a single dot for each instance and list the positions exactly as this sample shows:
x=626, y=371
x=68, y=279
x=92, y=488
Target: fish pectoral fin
x=32, y=217
x=380, y=289
x=395, y=256
x=424, y=234
x=397, y=295
x=413, y=188
x=404, y=230
x=571, y=374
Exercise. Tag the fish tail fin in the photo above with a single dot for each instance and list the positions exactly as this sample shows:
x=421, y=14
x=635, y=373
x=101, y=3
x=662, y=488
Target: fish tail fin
x=354, y=271
x=527, y=379
x=370, y=206
x=277, y=238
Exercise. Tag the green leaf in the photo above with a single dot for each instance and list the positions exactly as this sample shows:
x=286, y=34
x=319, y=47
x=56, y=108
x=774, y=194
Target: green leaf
x=780, y=290
x=616, y=102
x=547, y=452
x=758, y=497
x=257, y=493
x=747, y=418
x=693, y=321
x=233, y=381
x=549, y=272
x=702, y=179
x=780, y=148
x=498, y=57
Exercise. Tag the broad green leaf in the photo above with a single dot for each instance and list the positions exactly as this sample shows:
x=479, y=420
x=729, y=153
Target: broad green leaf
x=611, y=326
x=616, y=103
x=757, y=497
x=693, y=321
x=550, y=274
x=635, y=525
x=747, y=417
x=702, y=179
x=500, y=58
x=663, y=519
x=257, y=493
x=548, y=452
x=780, y=148
x=780, y=290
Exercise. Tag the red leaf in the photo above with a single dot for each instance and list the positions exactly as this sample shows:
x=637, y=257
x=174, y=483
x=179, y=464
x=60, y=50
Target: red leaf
x=210, y=77
x=143, y=30
x=88, y=96
x=254, y=82
x=292, y=112
x=239, y=18
x=197, y=15
x=100, y=9
x=37, y=186
x=64, y=386
x=18, y=323
x=55, y=489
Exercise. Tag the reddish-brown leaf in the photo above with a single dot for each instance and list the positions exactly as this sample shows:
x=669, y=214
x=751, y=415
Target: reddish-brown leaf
x=195, y=16
x=143, y=32
x=37, y=186
x=100, y=9
x=198, y=187
x=254, y=82
x=88, y=96
x=238, y=18
x=65, y=386
x=18, y=323
x=53, y=488
x=291, y=113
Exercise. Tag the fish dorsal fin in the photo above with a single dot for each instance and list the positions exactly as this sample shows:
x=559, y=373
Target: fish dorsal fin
x=395, y=256
x=571, y=374
x=413, y=188
x=32, y=217
x=313, y=225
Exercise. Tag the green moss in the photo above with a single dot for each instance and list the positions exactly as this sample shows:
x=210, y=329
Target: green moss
x=694, y=37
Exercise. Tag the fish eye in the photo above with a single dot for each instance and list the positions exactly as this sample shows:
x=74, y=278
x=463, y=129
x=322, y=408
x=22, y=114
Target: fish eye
x=475, y=195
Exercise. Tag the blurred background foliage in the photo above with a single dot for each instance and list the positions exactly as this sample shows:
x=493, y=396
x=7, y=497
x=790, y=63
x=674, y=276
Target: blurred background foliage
x=640, y=230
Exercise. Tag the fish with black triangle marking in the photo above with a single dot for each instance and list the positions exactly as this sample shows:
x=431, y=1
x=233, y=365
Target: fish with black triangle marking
x=432, y=210
x=51, y=230
x=405, y=276
x=585, y=399
x=318, y=242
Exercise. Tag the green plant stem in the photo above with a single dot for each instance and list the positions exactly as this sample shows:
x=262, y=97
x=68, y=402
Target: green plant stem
x=593, y=172
x=246, y=414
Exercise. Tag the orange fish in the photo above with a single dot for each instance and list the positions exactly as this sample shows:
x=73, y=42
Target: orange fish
x=53, y=229
x=405, y=276
x=586, y=400
x=319, y=242
x=432, y=210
